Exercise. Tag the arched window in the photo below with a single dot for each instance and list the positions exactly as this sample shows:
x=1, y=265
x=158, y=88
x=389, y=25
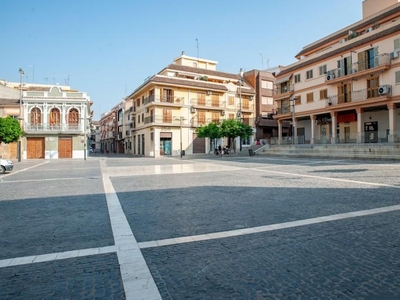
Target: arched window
x=73, y=117
x=54, y=116
x=36, y=116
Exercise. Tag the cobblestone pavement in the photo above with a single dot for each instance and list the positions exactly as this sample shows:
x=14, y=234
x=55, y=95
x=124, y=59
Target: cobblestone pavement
x=207, y=228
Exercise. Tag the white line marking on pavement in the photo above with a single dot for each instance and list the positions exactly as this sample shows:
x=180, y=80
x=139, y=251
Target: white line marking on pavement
x=48, y=179
x=328, y=178
x=136, y=276
x=22, y=170
x=272, y=227
x=17, y=261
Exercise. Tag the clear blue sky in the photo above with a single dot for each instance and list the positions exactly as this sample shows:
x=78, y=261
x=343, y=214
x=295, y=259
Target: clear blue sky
x=108, y=48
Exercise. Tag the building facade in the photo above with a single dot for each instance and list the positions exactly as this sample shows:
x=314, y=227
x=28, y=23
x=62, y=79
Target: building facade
x=345, y=88
x=169, y=106
x=55, y=120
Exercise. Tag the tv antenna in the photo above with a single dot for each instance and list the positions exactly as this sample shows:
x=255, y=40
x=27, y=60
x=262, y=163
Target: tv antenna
x=197, y=45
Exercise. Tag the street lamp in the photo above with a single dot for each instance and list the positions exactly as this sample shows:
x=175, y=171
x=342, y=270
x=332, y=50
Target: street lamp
x=240, y=104
x=181, y=118
x=293, y=104
x=21, y=73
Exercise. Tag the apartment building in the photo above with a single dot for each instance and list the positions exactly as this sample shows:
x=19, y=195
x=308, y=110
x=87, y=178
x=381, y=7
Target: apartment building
x=168, y=107
x=109, y=131
x=345, y=87
x=263, y=82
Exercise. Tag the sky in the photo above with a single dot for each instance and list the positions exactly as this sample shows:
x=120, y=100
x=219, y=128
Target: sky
x=108, y=48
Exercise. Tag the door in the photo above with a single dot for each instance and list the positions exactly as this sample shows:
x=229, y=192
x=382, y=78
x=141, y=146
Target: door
x=64, y=147
x=347, y=135
x=199, y=144
x=35, y=149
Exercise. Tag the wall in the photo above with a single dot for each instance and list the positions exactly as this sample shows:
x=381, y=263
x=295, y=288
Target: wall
x=371, y=7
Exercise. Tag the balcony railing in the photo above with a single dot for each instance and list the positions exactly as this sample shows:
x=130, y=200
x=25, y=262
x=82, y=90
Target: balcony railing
x=355, y=96
x=162, y=120
x=164, y=100
x=289, y=88
x=45, y=127
x=245, y=107
x=216, y=104
x=352, y=69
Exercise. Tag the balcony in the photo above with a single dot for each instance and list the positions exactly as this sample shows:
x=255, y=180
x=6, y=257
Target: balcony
x=53, y=129
x=359, y=69
x=245, y=107
x=358, y=96
x=162, y=120
x=208, y=104
x=164, y=101
x=285, y=91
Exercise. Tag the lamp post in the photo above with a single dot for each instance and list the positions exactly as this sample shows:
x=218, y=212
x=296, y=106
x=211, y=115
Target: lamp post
x=21, y=73
x=293, y=104
x=181, y=118
x=240, y=104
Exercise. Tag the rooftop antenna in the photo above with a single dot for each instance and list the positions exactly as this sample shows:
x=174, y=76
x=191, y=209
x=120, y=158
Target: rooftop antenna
x=197, y=42
x=262, y=60
x=66, y=79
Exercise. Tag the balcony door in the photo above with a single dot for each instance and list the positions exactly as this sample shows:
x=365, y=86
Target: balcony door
x=344, y=93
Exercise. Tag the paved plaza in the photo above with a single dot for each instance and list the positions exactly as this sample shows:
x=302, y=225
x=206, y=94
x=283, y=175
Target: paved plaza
x=200, y=228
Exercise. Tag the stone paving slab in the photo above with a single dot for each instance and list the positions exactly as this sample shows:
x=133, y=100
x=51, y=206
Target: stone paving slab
x=48, y=225
x=91, y=277
x=224, y=201
x=351, y=259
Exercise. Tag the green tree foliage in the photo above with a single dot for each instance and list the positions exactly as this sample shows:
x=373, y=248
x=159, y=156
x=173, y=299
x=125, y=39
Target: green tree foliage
x=228, y=128
x=212, y=131
x=10, y=130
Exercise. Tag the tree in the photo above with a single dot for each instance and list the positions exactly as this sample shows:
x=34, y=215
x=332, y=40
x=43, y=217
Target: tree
x=233, y=128
x=211, y=131
x=10, y=130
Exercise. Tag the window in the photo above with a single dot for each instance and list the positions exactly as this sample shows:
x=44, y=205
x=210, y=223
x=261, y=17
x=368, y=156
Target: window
x=298, y=100
x=344, y=66
x=396, y=44
x=344, y=93
x=201, y=98
x=310, y=97
x=73, y=117
x=323, y=94
x=367, y=59
x=245, y=103
x=265, y=84
x=231, y=116
x=397, y=74
x=54, y=116
x=167, y=115
x=202, y=117
x=323, y=70
x=231, y=100
x=267, y=101
x=215, y=100
x=167, y=95
x=297, y=78
x=138, y=102
x=36, y=116
x=372, y=87
x=309, y=74
x=215, y=117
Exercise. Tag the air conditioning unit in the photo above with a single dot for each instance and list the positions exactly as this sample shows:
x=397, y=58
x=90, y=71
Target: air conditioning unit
x=330, y=76
x=342, y=41
x=209, y=92
x=394, y=55
x=369, y=29
x=384, y=89
x=193, y=110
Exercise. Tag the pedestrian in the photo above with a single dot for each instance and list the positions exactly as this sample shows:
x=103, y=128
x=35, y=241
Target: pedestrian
x=220, y=150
